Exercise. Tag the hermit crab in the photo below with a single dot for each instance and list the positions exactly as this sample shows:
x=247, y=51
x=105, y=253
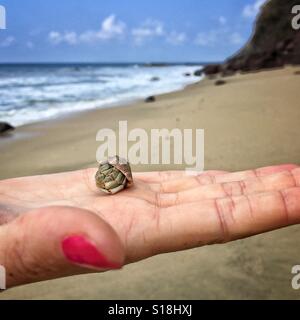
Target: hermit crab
x=114, y=175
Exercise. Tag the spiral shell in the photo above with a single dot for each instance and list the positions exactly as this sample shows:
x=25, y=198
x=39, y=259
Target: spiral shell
x=114, y=175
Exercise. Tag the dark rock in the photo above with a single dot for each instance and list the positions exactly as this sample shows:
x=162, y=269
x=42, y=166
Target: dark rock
x=212, y=69
x=220, y=83
x=5, y=127
x=198, y=73
x=150, y=99
x=273, y=44
x=153, y=79
x=187, y=74
x=290, y=47
x=297, y=73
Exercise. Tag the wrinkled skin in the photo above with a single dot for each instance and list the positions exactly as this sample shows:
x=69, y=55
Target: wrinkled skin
x=162, y=212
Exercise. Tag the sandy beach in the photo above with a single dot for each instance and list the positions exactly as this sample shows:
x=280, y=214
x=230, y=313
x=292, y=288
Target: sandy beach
x=251, y=121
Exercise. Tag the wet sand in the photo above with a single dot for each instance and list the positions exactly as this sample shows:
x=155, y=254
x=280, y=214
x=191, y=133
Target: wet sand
x=251, y=121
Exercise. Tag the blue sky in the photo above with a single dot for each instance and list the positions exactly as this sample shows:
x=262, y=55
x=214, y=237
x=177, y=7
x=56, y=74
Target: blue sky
x=125, y=30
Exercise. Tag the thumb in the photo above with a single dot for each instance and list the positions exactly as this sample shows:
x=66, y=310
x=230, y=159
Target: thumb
x=55, y=242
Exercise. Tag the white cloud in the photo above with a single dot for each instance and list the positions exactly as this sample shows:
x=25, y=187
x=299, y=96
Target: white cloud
x=29, y=44
x=213, y=38
x=251, y=10
x=206, y=39
x=110, y=28
x=222, y=20
x=149, y=29
x=7, y=42
x=223, y=34
x=71, y=38
x=55, y=37
x=236, y=38
x=176, y=38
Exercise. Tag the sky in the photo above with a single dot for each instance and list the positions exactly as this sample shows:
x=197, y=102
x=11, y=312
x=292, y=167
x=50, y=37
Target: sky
x=125, y=30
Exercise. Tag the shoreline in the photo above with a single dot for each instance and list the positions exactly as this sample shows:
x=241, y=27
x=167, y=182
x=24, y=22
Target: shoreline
x=47, y=94
x=22, y=132
x=231, y=115
x=109, y=106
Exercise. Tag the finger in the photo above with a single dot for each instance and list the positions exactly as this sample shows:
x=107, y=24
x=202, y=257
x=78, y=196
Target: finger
x=55, y=242
x=206, y=178
x=209, y=184
x=223, y=220
x=242, y=175
x=162, y=176
x=273, y=182
x=175, y=179
x=58, y=185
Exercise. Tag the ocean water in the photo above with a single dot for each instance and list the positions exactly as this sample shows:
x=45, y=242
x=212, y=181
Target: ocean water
x=30, y=93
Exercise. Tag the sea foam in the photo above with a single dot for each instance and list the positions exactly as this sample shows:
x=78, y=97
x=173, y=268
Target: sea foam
x=30, y=93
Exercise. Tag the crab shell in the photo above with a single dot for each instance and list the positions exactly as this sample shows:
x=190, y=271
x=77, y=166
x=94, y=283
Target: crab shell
x=118, y=178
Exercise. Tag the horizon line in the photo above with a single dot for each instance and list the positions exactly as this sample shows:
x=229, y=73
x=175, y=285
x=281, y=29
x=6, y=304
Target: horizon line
x=154, y=63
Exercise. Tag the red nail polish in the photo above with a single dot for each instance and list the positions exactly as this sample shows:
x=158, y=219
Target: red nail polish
x=81, y=251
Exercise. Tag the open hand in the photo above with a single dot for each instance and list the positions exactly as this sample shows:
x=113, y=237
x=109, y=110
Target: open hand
x=60, y=224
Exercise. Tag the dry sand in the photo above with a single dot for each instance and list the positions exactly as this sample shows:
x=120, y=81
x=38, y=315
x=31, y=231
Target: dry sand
x=251, y=121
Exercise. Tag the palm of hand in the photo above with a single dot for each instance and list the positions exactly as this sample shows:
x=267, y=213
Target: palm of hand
x=168, y=211
x=132, y=213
